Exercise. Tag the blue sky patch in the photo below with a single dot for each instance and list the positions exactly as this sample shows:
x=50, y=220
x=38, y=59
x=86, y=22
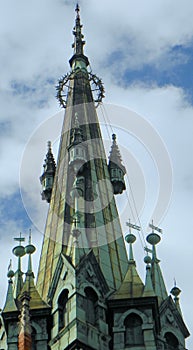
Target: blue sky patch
x=12, y=209
x=175, y=68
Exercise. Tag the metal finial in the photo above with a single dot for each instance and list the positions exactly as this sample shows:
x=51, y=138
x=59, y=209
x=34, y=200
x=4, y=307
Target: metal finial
x=155, y=228
x=19, y=239
x=49, y=145
x=30, y=248
x=77, y=9
x=19, y=251
x=114, y=137
x=10, y=265
x=77, y=31
x=132, y=226
x=30, y=236
x=10, y=273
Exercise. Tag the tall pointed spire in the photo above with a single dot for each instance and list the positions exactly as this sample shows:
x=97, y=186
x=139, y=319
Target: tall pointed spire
x=82, y=169
x=89, y=295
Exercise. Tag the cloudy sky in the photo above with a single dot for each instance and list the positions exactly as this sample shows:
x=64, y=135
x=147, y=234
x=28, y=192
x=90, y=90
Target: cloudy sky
x=143, y=51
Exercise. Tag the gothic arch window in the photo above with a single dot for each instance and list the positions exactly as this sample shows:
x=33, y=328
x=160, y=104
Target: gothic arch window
x=91, y=300
x=62, y=309
x=133, y=330
x=171, y=342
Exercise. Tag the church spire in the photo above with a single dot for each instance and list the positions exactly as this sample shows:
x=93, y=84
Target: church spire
x=82, y=187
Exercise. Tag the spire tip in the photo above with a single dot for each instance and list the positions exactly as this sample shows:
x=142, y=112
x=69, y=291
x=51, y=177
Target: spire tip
x=77, y=10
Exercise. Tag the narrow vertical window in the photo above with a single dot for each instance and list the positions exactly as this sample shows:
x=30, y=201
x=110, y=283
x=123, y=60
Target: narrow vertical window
x=91, y=300
x=62, y=309
x=133, y=330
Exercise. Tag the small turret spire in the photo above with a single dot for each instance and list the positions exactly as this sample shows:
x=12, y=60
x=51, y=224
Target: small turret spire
x=148, y=290
x=10, y=302
x=156, y=274
x=130, y=238
x=116, y=168
x=30, y=249
x=176, y=292
x=47, y=178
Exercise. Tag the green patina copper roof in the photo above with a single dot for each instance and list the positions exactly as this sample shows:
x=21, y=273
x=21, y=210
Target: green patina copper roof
x=132, y=285
x=148, y=289
x=100, y=225
x=36, y=302
x=157, y=278
x=10, y=304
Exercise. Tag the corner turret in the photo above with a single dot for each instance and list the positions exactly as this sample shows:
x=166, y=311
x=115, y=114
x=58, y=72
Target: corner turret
x=117, y=170
x=47, y=178
x=156, y=274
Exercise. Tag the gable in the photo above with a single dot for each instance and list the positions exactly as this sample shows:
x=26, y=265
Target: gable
x=64, y=278
x=172, y=319
x=89, y=273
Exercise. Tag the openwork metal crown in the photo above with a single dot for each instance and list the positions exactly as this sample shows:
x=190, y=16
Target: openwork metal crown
x=64, y=86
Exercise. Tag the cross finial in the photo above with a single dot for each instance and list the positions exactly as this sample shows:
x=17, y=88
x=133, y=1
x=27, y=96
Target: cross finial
x=19, y=239
x=30, y=236
x=155, y=228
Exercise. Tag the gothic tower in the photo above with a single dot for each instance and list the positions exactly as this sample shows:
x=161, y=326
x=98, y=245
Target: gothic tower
x=89, y=294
